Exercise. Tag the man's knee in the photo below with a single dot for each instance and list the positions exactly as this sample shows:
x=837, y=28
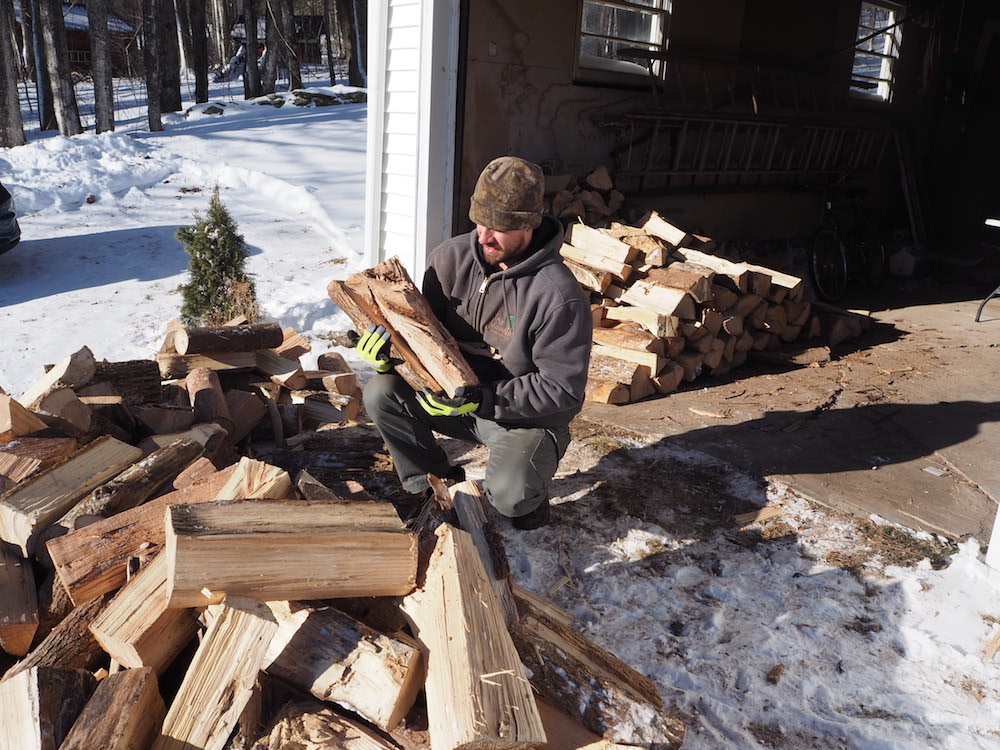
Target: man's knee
x=521, y=466
x=383, y=392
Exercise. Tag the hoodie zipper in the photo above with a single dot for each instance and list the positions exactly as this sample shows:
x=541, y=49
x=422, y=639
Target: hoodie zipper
x=480, y=301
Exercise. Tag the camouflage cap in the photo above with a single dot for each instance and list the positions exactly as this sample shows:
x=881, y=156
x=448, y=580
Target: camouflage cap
x=508, y=195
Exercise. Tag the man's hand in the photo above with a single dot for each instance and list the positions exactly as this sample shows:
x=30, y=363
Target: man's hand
x=373, y=347
x=467, y=400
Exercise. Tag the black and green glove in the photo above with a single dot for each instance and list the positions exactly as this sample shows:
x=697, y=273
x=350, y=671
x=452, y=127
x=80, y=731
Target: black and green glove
x=467, y=400
x=373, y=347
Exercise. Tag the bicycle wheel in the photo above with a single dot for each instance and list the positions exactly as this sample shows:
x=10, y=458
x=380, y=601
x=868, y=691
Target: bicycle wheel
x=828, y=266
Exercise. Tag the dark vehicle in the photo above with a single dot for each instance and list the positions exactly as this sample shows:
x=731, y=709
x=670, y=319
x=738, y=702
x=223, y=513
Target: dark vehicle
x=10, y=232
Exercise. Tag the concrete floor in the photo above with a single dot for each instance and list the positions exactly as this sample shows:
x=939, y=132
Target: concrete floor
x=919, y=391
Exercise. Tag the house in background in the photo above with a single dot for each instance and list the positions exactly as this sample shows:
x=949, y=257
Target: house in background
x=121, y=40
x=731, y=116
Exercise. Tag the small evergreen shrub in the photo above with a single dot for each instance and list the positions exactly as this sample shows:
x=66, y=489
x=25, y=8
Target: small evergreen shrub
x=218, y=288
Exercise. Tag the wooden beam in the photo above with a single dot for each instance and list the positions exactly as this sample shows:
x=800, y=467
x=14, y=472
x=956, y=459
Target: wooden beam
x=94, y=560
x=38, y=707
x=124, y=713
x=336, y=658
x=292, y=549
x=137, y=629
x=28, y=509
x=477, y=693
x=385, y=295
x=221, y=677
x=18, y=602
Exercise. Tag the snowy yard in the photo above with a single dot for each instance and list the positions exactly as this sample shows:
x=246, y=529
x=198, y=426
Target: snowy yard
x=803, y=631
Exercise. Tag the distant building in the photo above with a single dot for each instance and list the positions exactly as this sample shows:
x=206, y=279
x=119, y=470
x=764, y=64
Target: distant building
x=307, y=34
x=121, y=39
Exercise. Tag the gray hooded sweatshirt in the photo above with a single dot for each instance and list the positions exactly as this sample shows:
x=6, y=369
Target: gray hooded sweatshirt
x=525, y=331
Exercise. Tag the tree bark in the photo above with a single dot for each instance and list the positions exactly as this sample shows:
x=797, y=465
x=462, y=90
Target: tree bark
x=100, y=65
x=27, y=41
x=251, y=71
x=57, y=59
x=11, y=127
x=170, y=58
x=43, y=86
x=150, y=62
x=350, y=35
x=330, y=22
x=274, y=47
x=291, y=49
x=199, y=49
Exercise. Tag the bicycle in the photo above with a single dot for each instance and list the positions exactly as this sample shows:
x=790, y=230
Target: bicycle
x=846, y=251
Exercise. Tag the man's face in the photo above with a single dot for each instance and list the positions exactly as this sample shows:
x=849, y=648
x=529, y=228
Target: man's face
x=503, y=247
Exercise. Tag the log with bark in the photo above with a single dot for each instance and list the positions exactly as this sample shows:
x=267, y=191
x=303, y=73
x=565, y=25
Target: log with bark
x=136, y=381
x=124, y=713
x=208, y=399
x=15, y=420
x=18, y=602
x=70, y=645
x=76, y=370
x=239, y=338
x=38, y=706
x=385, y=295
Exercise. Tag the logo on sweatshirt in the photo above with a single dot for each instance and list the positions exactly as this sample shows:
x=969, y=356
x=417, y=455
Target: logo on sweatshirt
x=502, y=327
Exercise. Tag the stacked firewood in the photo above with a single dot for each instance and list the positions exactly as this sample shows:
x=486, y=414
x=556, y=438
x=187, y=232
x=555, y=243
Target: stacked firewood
x=666, y=309
x=592, y=199
x=155, y=584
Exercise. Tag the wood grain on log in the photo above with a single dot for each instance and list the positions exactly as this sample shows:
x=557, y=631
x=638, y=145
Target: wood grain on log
x=38, y=707
x=18, y=602
x=243, y=338
x=76, y=370
x=124, y=713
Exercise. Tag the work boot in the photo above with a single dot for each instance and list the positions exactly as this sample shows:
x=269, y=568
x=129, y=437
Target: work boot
x=533, y=520
x=454, y=475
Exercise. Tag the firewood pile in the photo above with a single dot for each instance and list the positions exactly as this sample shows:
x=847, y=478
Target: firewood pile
x=160, y=588
x=667, y=309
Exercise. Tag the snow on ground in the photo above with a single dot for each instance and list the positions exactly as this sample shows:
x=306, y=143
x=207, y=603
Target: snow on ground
x=644, y=551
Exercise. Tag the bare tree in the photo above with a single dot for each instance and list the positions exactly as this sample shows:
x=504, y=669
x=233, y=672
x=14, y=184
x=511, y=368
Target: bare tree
x=353, y=18
x=57, y=61
x=100, y=65
x=11, y=127
x=170, y=58
x=330, y=22
x=150, y=62
x=251, y=72
x=199, y=49
x=27, y=42
x=275, y=49
x=291, y=48
x=43, y=87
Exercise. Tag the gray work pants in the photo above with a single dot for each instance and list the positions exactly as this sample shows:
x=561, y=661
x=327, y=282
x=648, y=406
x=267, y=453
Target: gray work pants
x=522, y=460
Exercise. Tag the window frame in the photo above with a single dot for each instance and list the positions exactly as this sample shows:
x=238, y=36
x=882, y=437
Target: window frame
x=616, y=68
x=884, y=82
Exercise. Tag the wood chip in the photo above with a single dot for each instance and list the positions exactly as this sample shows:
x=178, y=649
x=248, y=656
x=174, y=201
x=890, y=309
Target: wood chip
x=758, y=516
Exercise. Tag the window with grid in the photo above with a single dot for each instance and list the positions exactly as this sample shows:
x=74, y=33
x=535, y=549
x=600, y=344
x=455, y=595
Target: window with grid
x=607, y=26
x=877, y=49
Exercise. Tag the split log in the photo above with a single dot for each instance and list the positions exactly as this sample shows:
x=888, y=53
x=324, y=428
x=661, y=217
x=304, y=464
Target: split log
x=76, y=370
x=758, y=314
x=137, y=629
x=777, y=294
x=775, y=321
x=670, y=378
x=94, y=560
x=712, y=320
x=179, y=365
x=607, y=392
x=589, y=278
x=205, y=434
x=28, y=509
x=662, y=299
x=573, y=211
x=247, y=410
x=38, y=707
x=687, y=277
x=560, y=201
x=621, y=271
x=313, y=489
x=338, y=659
x=137, y=381
x=325, y=407
x=62, y=409
x=630, y=336
x=595, y=242
x=836, y=329
x=333, y=362
x=256, y=479
x=599, y=179
x=70, y=645
x=38, y=451
x=691, y=362
x=738, y=274
x=293, y=549
x=18, y=602
x=172, y=327
x=656, y=225
x=797, y=312
x=790, y=334
x=137, y=484
x=723, y=298
x=652, y=361
x=813, y=355
x=221, y=677
x=656, y=323
x=590, y=684
x=793, y=284
x=15, y=420
x=245, y=338
x=345, y=383
x=313, y=726
x=165, y=419
x=477, y=693
x=208, y=399
x=385, y=295
x=124, y=713
x=285, y=372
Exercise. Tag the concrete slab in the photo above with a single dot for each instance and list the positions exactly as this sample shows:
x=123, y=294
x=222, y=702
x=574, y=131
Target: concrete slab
x=920, y=391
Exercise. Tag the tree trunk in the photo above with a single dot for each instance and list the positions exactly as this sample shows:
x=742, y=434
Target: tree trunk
x=150, y=62
x=251, y=71
x=330, y=22
x=43, y=86
x=170, y=58
x=57, y=59
x=27, y=42
x=100, y=65
x=199, y=49
x=291, y=49
x=353, y=18
x=11, y=127
x=184, y=31
x=274, y=48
